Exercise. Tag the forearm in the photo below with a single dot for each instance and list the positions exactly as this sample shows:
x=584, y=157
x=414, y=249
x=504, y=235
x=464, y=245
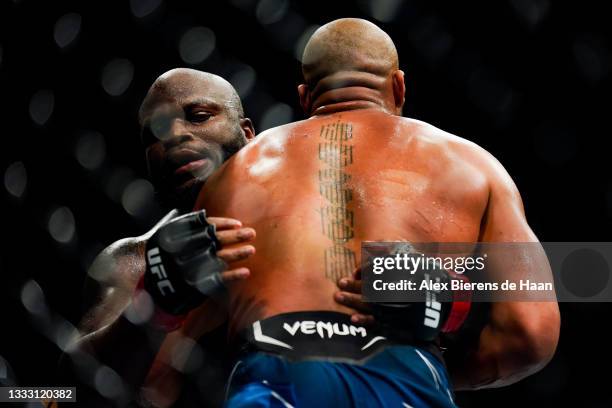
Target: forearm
x=489, y=365
x=128, y=349
x=518, y=340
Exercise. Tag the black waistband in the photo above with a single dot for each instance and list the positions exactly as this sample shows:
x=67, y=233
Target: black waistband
x=321, y=334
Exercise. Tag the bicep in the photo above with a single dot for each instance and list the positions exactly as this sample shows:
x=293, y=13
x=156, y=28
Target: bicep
x=514, y=253
x=513, y=249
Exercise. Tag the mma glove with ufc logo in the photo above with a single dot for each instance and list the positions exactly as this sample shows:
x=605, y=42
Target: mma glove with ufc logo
x=182, y=268
x=440, y=312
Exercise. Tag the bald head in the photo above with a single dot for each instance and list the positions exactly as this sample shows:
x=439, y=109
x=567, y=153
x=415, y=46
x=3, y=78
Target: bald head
x=191, y=122
x=348, y=44
x=181, y=84
x=351, y=64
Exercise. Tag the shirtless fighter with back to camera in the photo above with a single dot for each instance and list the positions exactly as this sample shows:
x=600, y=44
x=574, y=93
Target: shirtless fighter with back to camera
x=356, y=171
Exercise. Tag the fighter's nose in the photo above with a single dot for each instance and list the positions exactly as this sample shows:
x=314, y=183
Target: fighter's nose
x=174, y=141
x=177, y=134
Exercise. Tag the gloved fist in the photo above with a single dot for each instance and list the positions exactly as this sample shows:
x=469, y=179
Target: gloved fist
x=411, y=321
x=424, y=321
x=185, y=262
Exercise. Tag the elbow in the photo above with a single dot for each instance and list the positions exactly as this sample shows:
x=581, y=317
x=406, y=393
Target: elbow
x=537, y=336
x=520, y=339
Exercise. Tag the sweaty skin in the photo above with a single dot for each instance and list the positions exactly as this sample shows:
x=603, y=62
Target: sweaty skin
x=356, y=171
x=327, y=184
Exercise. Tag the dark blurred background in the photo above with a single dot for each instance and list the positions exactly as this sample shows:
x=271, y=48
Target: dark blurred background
x=528, y=80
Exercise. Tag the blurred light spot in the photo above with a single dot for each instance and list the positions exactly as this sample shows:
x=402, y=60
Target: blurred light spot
x=591, y=57
x=33, y=298
x=160, y=126
x=119, y=178
x=41, y=106
x=277, y=114
x=187, y=355
x=117, y=76
x=90, y=150
x=88, y=256
x=196, y=45
x=286, y=33
x=65, y=335
x=67, y=29
x=108, y=383
x=3, y=368
x=140, y=310
x=532, y=12
x=138, y=197
x=554, y=143
x=244, y=80
x=271, y=11
x=85, y=365
x=102, y=268
x=303, y=40
x=16, y=179
x=142, y=8
x=61, y=225
x=7, y=374
x=384, y=10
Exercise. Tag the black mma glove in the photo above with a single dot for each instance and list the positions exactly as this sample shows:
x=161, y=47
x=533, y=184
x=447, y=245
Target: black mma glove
x=183, y=268
x=440, y=312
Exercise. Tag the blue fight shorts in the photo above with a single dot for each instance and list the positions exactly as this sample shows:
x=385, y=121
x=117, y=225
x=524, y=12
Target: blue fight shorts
x=321, y=359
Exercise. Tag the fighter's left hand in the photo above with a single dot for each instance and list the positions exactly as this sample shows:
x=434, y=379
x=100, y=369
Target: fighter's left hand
x=350, y=295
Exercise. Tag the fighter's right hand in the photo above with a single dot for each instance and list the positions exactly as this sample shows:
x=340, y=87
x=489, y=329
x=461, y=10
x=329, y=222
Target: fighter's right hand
x=186, y=263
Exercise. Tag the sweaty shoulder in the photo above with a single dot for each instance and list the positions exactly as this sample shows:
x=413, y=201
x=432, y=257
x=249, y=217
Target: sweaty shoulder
x=272, y=141
x=475, y=177
x=266, y=145
x=446, y=146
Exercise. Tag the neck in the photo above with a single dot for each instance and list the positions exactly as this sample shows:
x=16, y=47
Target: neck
x=346, y=99
x=350, y=90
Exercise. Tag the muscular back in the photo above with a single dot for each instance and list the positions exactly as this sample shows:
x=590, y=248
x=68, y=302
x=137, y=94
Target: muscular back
x=315, y=189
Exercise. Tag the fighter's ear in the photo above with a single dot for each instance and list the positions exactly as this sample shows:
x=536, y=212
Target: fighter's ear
x=247, y=128
x=399, y=89
x=305, y=101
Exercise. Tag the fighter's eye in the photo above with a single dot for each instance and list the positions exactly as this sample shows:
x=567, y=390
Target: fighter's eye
x=199, y=116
